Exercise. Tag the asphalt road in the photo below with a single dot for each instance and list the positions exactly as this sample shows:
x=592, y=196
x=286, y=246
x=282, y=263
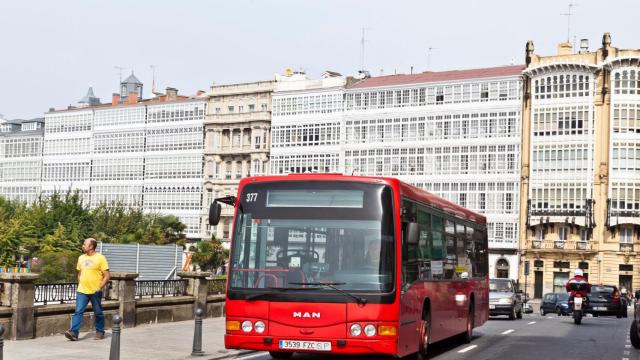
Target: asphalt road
x=532, y=338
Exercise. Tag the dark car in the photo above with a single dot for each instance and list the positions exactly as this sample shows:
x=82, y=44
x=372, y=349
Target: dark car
x=605, y=300
x=555, y=303
x=504, y=298
x=634, y=331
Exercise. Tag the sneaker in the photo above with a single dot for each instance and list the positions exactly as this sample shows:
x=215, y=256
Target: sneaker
x=98, y=336
x=70, y=335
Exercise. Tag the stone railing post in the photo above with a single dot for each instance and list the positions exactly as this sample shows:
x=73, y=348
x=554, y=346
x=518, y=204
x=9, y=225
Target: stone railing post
x=19, y=293
x=198, y=287
x=124, y=289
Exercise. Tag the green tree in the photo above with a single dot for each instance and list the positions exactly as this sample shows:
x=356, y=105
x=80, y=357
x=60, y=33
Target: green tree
x=57, y=267
x=59, y=241
x=14, y=233
x=210, y=255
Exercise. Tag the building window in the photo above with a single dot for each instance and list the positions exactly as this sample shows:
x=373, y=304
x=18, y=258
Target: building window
x=625, y=267
x=538, y=263
x=502, y=269
x=584, y=235
x=252, y=107
x=563, y=233
x=231, y=109
x=539, y=233
x=240, y=108
x=559, y=281
x=217, y=110
x=561, y=264
x=264, y=107
x=626, y=235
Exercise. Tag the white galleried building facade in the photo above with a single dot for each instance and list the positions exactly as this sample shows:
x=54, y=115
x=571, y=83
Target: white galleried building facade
x=21, y=158
x=139, y=152
x=453, y=133
x=237, y=138
x=306, y=123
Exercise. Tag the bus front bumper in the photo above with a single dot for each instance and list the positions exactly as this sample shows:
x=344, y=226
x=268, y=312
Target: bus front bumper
x=338, y=346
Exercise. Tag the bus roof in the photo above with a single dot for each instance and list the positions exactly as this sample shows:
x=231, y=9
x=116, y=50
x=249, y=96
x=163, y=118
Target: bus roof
x=403, y=188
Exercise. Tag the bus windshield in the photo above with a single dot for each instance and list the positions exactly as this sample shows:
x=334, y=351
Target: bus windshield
x=288, y=234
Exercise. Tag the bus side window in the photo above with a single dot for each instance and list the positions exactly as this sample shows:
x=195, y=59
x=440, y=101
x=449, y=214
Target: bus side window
x=437, y=247
x=409, y=260
x=481, y=264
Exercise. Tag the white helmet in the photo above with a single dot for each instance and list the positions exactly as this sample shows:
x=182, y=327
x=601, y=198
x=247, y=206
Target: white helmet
x=578, y=272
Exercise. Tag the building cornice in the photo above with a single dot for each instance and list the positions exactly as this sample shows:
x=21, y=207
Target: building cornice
x=560, y=67
x=622, y=62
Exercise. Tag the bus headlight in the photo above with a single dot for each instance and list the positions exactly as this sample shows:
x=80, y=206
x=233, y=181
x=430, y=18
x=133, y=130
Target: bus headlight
x=355, y=330
x=259, y=326
x=370, y=330
x=247, y=326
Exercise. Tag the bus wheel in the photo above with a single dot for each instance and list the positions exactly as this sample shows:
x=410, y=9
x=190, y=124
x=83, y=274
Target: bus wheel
x=468, y=334
x=280, y=355
x=425, y=337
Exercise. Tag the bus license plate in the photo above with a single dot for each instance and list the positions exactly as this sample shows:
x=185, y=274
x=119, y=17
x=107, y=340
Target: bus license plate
x=305, y=345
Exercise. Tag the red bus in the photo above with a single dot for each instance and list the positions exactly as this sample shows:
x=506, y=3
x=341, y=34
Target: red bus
x=328, y=263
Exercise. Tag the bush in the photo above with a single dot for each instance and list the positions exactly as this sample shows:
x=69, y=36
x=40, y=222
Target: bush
x=56, y=267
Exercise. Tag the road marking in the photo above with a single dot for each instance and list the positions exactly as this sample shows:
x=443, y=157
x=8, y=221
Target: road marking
x=627, y=346
x=468, y=348
x=507, y=332
x=250, y=356
x=531, y=323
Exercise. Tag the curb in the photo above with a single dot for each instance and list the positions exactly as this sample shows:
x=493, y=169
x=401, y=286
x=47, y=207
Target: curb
x=228, y=355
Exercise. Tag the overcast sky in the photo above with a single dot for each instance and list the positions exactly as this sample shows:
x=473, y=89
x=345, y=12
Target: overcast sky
x=52, y=51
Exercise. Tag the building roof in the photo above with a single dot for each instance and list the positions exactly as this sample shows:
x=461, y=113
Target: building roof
x=438, y=76
x=132, y=79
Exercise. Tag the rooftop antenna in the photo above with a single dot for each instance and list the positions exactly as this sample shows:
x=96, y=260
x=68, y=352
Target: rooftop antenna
x=568, y=15
x=153, y=84
x=429, y=50
x=120, y=68
x=362, y=42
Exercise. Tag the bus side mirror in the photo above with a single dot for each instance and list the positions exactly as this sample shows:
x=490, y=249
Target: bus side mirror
x=412, y=233
x=214, y=213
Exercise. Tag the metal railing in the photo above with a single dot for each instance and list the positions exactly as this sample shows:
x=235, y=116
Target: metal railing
x=162, y=288
x=61, y=293
x=562, y=245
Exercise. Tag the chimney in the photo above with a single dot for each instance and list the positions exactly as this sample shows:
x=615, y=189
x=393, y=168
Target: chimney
x=115, y=99
x=565, y=48
x=172, y=94
x=132, y=98
x=200, y=93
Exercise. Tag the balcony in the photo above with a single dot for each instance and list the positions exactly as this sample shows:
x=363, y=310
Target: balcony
x=559, y=245
x=621, y=217
x=240, y=117
x=629, y=248
x=580, y=217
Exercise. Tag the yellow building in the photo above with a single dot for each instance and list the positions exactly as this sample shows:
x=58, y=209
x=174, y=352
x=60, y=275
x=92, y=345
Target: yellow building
x=580, y=167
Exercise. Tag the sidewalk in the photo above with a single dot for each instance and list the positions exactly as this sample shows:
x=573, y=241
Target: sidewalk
x=171, y=341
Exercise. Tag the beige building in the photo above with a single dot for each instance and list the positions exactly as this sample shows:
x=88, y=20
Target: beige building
x=580, y=167
x=237, y=142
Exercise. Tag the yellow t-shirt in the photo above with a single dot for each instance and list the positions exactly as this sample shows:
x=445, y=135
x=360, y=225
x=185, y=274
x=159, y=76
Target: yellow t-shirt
x=91, y=268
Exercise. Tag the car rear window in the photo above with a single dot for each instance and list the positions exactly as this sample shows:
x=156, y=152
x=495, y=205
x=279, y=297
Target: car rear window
x=563, y=296
x=602, y=289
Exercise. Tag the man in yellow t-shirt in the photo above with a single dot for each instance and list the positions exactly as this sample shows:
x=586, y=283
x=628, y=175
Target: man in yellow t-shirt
x=93, y=275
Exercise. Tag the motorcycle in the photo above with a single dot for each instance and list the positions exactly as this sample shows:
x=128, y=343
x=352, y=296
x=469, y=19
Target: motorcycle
x=578, y=311
x=578, y=302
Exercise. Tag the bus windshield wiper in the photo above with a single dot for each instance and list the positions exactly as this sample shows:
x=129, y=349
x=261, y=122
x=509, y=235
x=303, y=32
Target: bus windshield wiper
x=332, y=285
x=259, y=295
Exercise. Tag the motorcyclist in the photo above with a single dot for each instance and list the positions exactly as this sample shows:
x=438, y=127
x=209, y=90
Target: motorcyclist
x=578, y=279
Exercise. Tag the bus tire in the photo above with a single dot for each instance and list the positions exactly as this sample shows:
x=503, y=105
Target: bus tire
x=425, y=335
x=471, y=321
x=280, y=355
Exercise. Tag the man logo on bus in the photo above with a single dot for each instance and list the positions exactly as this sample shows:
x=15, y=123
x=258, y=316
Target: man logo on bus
x=315, y=315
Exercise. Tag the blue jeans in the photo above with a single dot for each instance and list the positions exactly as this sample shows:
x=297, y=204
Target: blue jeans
x=82, y=300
